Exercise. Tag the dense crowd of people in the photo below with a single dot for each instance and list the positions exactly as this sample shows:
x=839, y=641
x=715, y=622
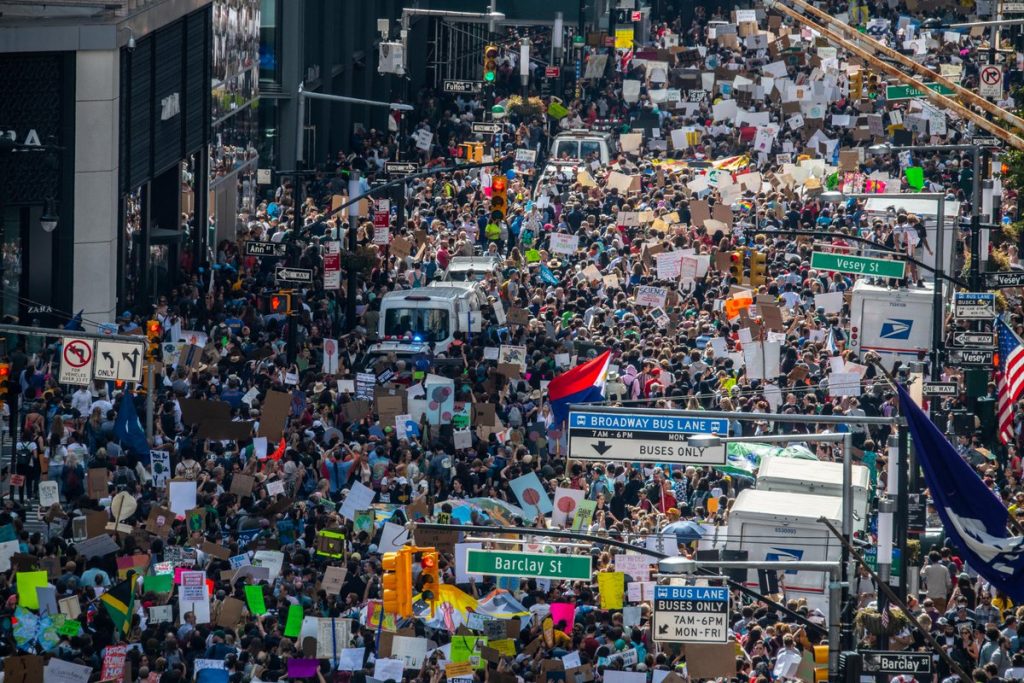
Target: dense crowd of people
x=244, y=541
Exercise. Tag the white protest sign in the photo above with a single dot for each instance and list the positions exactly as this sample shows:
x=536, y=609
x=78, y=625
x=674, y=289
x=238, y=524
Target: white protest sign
x=647, y=295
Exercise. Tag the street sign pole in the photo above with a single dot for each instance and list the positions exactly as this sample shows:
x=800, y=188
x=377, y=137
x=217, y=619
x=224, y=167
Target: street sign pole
x=94, y=336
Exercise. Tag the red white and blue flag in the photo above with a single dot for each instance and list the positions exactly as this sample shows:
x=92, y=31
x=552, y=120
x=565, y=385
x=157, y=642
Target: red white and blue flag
x=583, y=384
x=1010, y=384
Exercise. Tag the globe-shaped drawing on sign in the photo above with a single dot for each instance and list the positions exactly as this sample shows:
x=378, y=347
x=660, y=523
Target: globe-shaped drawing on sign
x=531, y=496
x=566, y=504
x=438, y=397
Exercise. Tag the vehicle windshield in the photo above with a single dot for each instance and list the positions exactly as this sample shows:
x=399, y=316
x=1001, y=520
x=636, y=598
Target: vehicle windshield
x=590, y=148
x=424, y=324
x=567, y=149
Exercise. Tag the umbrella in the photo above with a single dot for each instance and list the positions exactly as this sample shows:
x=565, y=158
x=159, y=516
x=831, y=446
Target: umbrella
x=494, y=507
x=501, y=604
x=491, y=509
x=685, y=531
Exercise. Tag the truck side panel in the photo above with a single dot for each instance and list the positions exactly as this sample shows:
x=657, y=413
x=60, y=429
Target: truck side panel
x=765, y=541
x=893, y=327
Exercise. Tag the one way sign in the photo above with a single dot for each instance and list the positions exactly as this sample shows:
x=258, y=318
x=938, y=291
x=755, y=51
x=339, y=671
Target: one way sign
x=962, y=338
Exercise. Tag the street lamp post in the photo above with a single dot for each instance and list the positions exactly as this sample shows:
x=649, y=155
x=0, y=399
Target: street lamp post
x=303, y=95
x=524, y=66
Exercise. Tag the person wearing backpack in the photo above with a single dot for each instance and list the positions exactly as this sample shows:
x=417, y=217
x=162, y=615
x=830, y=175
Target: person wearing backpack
x=26, y=459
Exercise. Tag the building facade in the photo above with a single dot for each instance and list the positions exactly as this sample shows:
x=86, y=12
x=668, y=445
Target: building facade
x=122, y=90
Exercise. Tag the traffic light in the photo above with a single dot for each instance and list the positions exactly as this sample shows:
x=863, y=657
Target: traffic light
x=472, y=151
x=5, y=377
x=873, y=85
x=499, y=197
x=397, y=582
x=736, y=265
x=820, y=663
x=279, y=304
x=758, y=268
x=154, y=332
x=490, y=63
x=857, y=85
x=430, y=578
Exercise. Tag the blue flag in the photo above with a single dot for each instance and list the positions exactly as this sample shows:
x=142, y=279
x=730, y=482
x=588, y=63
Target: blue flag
x=75, y=324
x=973, y=517
x=547, y=277
x=128, y=429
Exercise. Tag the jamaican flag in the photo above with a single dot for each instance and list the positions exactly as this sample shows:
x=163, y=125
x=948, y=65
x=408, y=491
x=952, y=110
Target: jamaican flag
x=119, y=602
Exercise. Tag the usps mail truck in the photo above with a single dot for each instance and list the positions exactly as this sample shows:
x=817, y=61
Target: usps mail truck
x=783, y=526
x=894, y=323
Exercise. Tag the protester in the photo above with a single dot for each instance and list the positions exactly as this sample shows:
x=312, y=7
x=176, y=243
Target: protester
x=244, y=541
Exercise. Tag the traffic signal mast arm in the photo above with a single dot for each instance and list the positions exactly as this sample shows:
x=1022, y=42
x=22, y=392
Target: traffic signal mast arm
x=872, y=44
x=888, y=69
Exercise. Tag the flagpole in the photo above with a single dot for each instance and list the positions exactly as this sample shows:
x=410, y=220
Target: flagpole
x=895, y=600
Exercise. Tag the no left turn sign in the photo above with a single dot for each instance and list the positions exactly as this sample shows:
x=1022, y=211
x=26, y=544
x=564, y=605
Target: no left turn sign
x=76, y=361
x=991, y=84
x=78, y=353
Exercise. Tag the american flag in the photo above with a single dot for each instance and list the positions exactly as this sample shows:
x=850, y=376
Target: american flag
x=1011, y=378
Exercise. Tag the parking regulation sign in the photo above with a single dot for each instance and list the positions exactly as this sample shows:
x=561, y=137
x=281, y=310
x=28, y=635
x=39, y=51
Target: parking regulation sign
x=76, y=361
x=691, y=614
x=974, y=305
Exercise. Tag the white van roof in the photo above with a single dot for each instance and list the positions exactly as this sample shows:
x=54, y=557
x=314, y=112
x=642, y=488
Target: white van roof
x=795, y=506
x=443, y=293
x=797, y=469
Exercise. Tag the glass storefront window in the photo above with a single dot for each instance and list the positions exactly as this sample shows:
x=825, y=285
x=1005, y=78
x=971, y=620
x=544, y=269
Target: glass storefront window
x=270, y=42
x=12, y=220
x=236, y=45
x=132, y=239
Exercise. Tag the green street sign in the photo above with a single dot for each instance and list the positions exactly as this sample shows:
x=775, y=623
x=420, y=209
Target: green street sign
x=905, y=92
x=528, y=565
x=859, y=265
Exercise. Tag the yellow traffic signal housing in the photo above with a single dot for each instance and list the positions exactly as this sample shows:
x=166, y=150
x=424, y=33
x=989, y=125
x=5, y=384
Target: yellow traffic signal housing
x=736, y=265
x=397, y=582
x=857, y=85
x=820, y=663
x=758, y=268
x=499, y=196
x=873, y=85
x=472, y=151
x=430, y=578
x=490, y=63
x=5, y=377
x=154, y=332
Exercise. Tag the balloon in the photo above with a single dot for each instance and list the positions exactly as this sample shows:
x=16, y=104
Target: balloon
x=510, y=173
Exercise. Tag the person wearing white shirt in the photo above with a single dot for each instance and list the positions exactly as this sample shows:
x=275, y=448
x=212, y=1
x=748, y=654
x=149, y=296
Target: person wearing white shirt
x=81, y=401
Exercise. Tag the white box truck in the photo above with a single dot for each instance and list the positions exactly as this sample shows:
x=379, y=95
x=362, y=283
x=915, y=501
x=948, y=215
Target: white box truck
x=894, y=323
x=783, y=526
x=817, y=478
